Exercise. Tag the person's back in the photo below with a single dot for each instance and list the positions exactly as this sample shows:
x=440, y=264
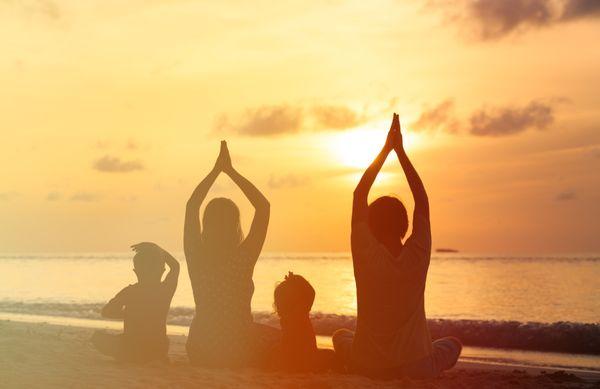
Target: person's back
x=145, y=316
x=297, y=351
x=391, y=326
x=392, y=338
x=220, y=333
x=143, y=307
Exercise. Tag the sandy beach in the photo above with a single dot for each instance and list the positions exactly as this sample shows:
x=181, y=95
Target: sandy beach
x=53, y=356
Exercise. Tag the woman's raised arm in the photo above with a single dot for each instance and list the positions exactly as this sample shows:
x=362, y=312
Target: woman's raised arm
x=192, y=229
x=262, y=209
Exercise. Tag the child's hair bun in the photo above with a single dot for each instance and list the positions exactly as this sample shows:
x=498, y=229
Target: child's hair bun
x=293, y=295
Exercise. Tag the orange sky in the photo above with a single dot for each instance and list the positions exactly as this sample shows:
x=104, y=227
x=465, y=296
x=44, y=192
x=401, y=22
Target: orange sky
x=112, y=113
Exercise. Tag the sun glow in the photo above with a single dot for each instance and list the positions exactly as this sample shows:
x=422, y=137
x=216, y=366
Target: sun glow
x=358, y=147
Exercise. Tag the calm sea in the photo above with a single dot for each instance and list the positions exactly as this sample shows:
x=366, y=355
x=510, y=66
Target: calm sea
x=479, y=287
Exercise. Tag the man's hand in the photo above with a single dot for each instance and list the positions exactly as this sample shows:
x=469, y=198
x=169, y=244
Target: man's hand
x=391, y=137
x=224, y=159
x=398, y=141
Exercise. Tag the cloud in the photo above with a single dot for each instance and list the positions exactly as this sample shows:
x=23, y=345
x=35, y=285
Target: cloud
x=45, y=8
x=566, y=196
x=53, y=196
x=84, y=197
x=499, y=18
x=335, y=117
x=511, y=120
x=488, y=121
x=575, y=9
x=495, y=19
x=264, y=121
x=269, y=121
x=9, y=196
x=440, y=117
x=110, y=164
x=287, y=181
x=132, y=145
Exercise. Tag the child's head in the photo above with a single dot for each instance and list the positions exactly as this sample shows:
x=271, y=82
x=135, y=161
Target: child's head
x=293, y=296
x=148, y=266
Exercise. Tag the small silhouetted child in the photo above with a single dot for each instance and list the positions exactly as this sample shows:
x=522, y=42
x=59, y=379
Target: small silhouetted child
x=143, y=307
x=297, y=350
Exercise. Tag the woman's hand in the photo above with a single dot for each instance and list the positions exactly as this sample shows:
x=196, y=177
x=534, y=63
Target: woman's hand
x=224, y=159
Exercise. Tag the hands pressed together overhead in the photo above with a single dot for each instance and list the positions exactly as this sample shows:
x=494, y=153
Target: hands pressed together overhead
x=224, y=159
x=394, y=137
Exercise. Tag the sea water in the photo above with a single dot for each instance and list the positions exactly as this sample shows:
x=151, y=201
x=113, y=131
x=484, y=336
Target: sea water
x=541, y=289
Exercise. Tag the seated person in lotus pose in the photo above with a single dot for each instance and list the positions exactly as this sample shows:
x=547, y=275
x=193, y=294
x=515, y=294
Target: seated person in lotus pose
x=297, y=351
x=143, y=307
x=392, y=338
x=221, y=263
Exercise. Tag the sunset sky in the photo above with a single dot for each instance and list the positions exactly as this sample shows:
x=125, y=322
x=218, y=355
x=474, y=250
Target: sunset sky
x=112, y=113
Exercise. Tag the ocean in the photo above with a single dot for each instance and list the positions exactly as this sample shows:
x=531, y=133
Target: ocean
x=544, y=302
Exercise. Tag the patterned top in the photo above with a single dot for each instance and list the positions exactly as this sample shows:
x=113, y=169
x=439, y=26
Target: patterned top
x=220, y=333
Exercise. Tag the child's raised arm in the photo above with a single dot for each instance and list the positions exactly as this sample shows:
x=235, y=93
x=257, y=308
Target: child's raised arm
x=114, y=308
x=173, y=274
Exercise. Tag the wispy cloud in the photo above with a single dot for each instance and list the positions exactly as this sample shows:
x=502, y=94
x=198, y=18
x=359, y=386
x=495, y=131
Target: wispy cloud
x=287, y=181
x=45, y=8
x=54, y=196
x=84, y=197
x=269, y=121
x=511, y=120
x=494, y=19
x=109, y=164
x=335, y=117
x=9, y=195
x=488, y=121
x=566, y=196
x=264, y=121
x=440, y=117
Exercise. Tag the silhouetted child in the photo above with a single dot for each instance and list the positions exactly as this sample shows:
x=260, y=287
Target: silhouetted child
x=143, y=307
x=297, y=351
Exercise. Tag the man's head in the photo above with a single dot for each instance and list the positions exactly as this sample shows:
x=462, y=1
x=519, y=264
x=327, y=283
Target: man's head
x=388, y=219
x=148, y=266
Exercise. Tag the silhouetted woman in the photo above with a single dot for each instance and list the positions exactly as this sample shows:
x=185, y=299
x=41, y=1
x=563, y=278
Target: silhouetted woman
x=220, y=264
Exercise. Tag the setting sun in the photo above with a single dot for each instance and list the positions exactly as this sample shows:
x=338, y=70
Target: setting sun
x=357, y=148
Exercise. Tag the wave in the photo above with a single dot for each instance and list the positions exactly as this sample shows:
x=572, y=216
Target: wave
x=568, y=337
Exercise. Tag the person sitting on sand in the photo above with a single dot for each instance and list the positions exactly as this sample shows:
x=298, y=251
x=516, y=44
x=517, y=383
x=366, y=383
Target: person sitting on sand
x=220, y=265
x=143, y=307
x=392, y=338
x=297, y=351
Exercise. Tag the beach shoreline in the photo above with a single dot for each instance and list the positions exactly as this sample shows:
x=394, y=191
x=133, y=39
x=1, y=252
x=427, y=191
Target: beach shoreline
x=51, y=355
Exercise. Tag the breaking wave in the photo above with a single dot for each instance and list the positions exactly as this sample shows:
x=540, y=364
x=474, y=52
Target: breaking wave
x=568, y=337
